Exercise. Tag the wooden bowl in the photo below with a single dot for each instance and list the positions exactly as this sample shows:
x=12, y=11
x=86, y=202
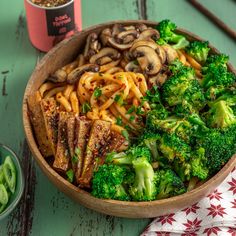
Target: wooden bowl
x=62, y=54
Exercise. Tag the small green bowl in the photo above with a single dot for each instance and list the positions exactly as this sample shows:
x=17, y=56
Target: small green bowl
x=14, y=198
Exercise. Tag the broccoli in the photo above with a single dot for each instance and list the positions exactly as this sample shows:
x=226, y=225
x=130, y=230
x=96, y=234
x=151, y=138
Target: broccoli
x=169, y=184
x=166, y=29
x=219, y=147
x=108, y=181
x=217, y=76
x=183, y=90
x=126, y=158
x=220, y=115
x=198, y=163
x=153, y=98
x=217, y=59
x=144, y=187
x=150, y=140
x=198, y=50
x=172, y=147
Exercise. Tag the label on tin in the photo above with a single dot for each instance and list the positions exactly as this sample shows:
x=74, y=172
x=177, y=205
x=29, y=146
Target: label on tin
x=60, y=21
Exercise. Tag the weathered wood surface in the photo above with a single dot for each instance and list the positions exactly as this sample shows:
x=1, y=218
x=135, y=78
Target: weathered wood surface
x=43, y=210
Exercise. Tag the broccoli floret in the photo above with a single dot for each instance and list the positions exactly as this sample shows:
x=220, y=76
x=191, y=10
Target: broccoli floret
x=169, y=184
x=183, y=90
x=217, y=76
x=219, y=147
x=221, y=115
x=166, y=29
x=126, y=158
x=199, y=166
x=172, y=147
x=217, y=59
x=175, y=66
x=108, y=181
x=182, y=169
x=198, y=50
x=150, y=140
x=144, y=186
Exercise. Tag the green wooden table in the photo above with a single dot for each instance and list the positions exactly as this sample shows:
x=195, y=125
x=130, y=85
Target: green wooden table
x=43, y=210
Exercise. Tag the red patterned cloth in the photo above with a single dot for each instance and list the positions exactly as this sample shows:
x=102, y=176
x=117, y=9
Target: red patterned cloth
x=213, y=215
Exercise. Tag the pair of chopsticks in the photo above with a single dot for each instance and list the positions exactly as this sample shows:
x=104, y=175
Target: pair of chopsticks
x=214, y=18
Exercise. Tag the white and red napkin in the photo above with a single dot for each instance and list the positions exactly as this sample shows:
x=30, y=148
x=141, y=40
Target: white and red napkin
x=213, y=215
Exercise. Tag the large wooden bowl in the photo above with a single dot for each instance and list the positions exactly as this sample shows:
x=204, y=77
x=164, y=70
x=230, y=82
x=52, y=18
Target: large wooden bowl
x=56, y=58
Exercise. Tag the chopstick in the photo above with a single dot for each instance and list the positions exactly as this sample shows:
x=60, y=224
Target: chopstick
x=214, y=18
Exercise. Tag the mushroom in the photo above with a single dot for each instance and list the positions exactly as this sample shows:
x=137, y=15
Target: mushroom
x=123, y=38
x=88, y=51
x=171, y=54
x=141, y=27
x=75, y=74
x=149, y=34
x=161, y=53
x=139, y=43
x=81, y=60
x=59, y=76
x=104, y=56
x=158, y=79
x=148, y=60
x=105, y=35
x=133, y=66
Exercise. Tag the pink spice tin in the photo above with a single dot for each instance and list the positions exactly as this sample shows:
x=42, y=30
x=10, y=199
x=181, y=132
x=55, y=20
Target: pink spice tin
x=49, y=25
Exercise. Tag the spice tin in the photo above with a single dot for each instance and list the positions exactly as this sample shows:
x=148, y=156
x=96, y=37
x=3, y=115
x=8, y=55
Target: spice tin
x=49, y=25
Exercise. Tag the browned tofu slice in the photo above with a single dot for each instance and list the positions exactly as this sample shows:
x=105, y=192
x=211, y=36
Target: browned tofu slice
x=71, y=133
x=83, y=126
x=99, y=133
x=62, y=157
x=116, y=142
x=50, y=114
x=37, y=120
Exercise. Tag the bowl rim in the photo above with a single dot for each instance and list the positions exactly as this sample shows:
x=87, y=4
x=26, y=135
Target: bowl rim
x=47, y=169
x=16, y=200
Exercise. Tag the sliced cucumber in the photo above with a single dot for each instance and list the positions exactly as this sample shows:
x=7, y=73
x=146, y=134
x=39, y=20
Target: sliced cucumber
x=3, y=195
x=1, y=175
x=9, y=172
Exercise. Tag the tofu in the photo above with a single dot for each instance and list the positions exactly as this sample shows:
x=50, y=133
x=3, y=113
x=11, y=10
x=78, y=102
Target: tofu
x=51, y=114
x=83, y=126
x=37, y=120
x=62, y=157
x=71, y=133
x=100, y=131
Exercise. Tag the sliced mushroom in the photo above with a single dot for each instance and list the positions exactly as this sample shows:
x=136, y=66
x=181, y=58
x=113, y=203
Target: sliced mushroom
x=105, y=35
x=128, y=56
x=171, y=54
x=116, y=29
x=149, y=34
x=158, y=79
x=81, y=60
x=120, y=46
x=59, y=76
x=139, y=43
x=88, y=51
x=75, y=75
x=133, y=66
x=96, y=45
x=161, y=53
x=127, y=36
x=141, y=27
x=148, y=60
x=106, y=53
x=129, y=27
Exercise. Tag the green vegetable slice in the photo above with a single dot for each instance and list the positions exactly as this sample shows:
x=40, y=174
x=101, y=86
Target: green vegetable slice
x=9, y=172
x=3, y=195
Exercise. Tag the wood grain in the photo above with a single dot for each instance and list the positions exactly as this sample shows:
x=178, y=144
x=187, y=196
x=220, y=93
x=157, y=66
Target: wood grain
x=60, y=56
